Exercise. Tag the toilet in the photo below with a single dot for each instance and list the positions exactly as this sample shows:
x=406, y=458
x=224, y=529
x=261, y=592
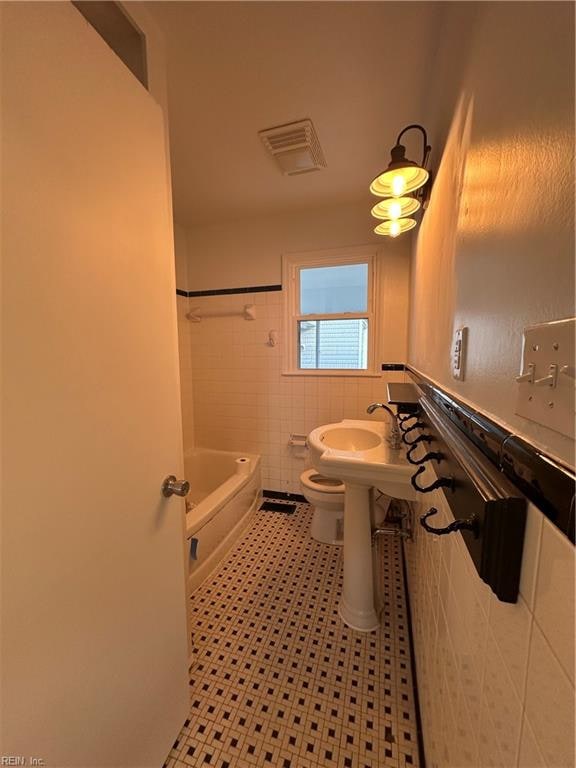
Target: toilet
x=326, y=494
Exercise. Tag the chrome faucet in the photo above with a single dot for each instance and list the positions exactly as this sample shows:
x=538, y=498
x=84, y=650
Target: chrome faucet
x=394, y=436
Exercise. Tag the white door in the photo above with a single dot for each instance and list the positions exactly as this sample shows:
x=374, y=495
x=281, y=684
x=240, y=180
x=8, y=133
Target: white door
x=94, y=650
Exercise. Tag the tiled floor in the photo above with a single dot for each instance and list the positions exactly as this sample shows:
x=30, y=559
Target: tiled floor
x=278, y=679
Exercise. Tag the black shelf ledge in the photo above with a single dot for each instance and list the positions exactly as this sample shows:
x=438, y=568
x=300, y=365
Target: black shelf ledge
x=229, y=291
x=393, y=367
x=546, y=482
x=489, y=510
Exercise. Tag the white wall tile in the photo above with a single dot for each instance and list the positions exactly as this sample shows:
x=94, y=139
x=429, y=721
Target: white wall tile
x=530, y=554
x=550, y=703
x=465, y=736
x=510, y=625
x=186, y=378
x=489, y=755
x=554, y=607
x=488, y=643
x=529, y=756
x=501, y=703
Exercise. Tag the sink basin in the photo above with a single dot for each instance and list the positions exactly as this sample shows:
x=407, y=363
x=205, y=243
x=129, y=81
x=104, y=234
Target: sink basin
x=350, y=439
x=357, y=453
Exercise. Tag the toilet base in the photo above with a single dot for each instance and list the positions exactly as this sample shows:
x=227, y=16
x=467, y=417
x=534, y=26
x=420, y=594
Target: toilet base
x=326, y=495
x=328, y=526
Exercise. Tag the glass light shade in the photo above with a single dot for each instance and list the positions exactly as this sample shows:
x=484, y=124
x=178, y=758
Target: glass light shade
x=396, y=182
x=395, y=208
x=394, y=227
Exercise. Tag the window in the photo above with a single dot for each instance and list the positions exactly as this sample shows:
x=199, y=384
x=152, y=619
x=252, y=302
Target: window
x=329, y=312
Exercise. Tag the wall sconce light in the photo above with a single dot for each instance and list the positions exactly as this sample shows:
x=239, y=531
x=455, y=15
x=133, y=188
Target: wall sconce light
x=405, y=185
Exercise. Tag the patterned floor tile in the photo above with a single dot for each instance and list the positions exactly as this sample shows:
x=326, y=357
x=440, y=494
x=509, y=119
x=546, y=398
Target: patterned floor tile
x=278, y=680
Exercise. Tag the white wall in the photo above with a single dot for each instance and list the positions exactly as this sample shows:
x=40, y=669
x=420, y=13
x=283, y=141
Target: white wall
x=496, y=253
x=181, y=257
x=234, y=254
x=496, y=248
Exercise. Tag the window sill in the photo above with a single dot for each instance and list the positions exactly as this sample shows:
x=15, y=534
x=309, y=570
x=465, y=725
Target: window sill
x=343, y=372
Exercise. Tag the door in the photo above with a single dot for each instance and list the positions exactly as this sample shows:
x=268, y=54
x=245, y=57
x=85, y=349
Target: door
x=94, y=650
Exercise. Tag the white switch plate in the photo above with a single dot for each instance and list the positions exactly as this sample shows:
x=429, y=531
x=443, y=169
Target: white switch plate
x=459, y=352
x=549, y=347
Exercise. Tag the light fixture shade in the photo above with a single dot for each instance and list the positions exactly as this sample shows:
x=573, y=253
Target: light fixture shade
x=399, y=181
x=401, y=176
x=395, y=208
x=394, y=227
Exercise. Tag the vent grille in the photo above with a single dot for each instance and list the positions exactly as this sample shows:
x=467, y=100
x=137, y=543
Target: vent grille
x=295, y=147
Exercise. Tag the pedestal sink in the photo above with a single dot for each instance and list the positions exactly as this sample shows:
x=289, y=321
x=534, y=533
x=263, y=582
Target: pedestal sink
x=357, y=452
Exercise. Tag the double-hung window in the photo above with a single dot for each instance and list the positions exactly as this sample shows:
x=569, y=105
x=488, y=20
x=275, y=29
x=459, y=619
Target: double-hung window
x=329, y=312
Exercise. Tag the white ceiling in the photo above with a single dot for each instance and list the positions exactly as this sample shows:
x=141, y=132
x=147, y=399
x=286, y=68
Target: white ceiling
x=358, y=70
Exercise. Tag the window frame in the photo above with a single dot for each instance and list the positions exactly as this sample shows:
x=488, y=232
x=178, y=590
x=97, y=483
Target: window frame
x=292, y=263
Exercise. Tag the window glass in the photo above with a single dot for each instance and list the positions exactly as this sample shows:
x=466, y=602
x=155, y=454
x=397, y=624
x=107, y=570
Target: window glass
x=333, y=343
x=334, y=290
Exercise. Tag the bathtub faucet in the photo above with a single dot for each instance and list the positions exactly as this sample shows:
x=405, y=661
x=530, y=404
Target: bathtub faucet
x=394, y=436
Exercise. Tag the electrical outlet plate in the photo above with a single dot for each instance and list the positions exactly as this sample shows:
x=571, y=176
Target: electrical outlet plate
x=459, y=352
x=548, y=398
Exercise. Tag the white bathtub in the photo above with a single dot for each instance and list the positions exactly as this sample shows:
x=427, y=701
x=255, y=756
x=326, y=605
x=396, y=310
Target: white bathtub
x=224, y=494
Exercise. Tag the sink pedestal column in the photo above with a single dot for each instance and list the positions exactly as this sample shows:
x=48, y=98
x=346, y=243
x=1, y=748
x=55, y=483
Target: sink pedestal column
x=357, y=605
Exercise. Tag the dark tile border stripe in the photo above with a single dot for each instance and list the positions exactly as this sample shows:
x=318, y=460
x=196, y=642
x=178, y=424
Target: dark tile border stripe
x=419, y=728
x=542, y=479
x=230, y=291
x=276, y=506
x=286, y=496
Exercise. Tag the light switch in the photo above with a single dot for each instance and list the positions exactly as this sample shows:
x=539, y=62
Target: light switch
x=546, y=381
x=459, y=352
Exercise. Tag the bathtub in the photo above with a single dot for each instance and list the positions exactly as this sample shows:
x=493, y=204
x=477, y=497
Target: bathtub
x=225, y=491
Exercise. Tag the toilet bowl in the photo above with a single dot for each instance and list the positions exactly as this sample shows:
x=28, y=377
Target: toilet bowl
x=326, y=495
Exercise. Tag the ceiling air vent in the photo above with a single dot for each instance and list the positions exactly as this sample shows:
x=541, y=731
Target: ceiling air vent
x=295, y=147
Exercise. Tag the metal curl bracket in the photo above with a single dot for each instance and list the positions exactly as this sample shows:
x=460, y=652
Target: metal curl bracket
x=443, y=482
x=403, y=419
x=430, y=456
x=471, y=524
x=419, y=439
x=418, y=424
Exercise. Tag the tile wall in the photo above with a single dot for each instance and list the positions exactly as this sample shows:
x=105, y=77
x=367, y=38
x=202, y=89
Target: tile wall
x=242, y=402
x=185, y=355
x=496, y=680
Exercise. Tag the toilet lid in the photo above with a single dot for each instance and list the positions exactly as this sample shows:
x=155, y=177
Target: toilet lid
x=313, y=480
